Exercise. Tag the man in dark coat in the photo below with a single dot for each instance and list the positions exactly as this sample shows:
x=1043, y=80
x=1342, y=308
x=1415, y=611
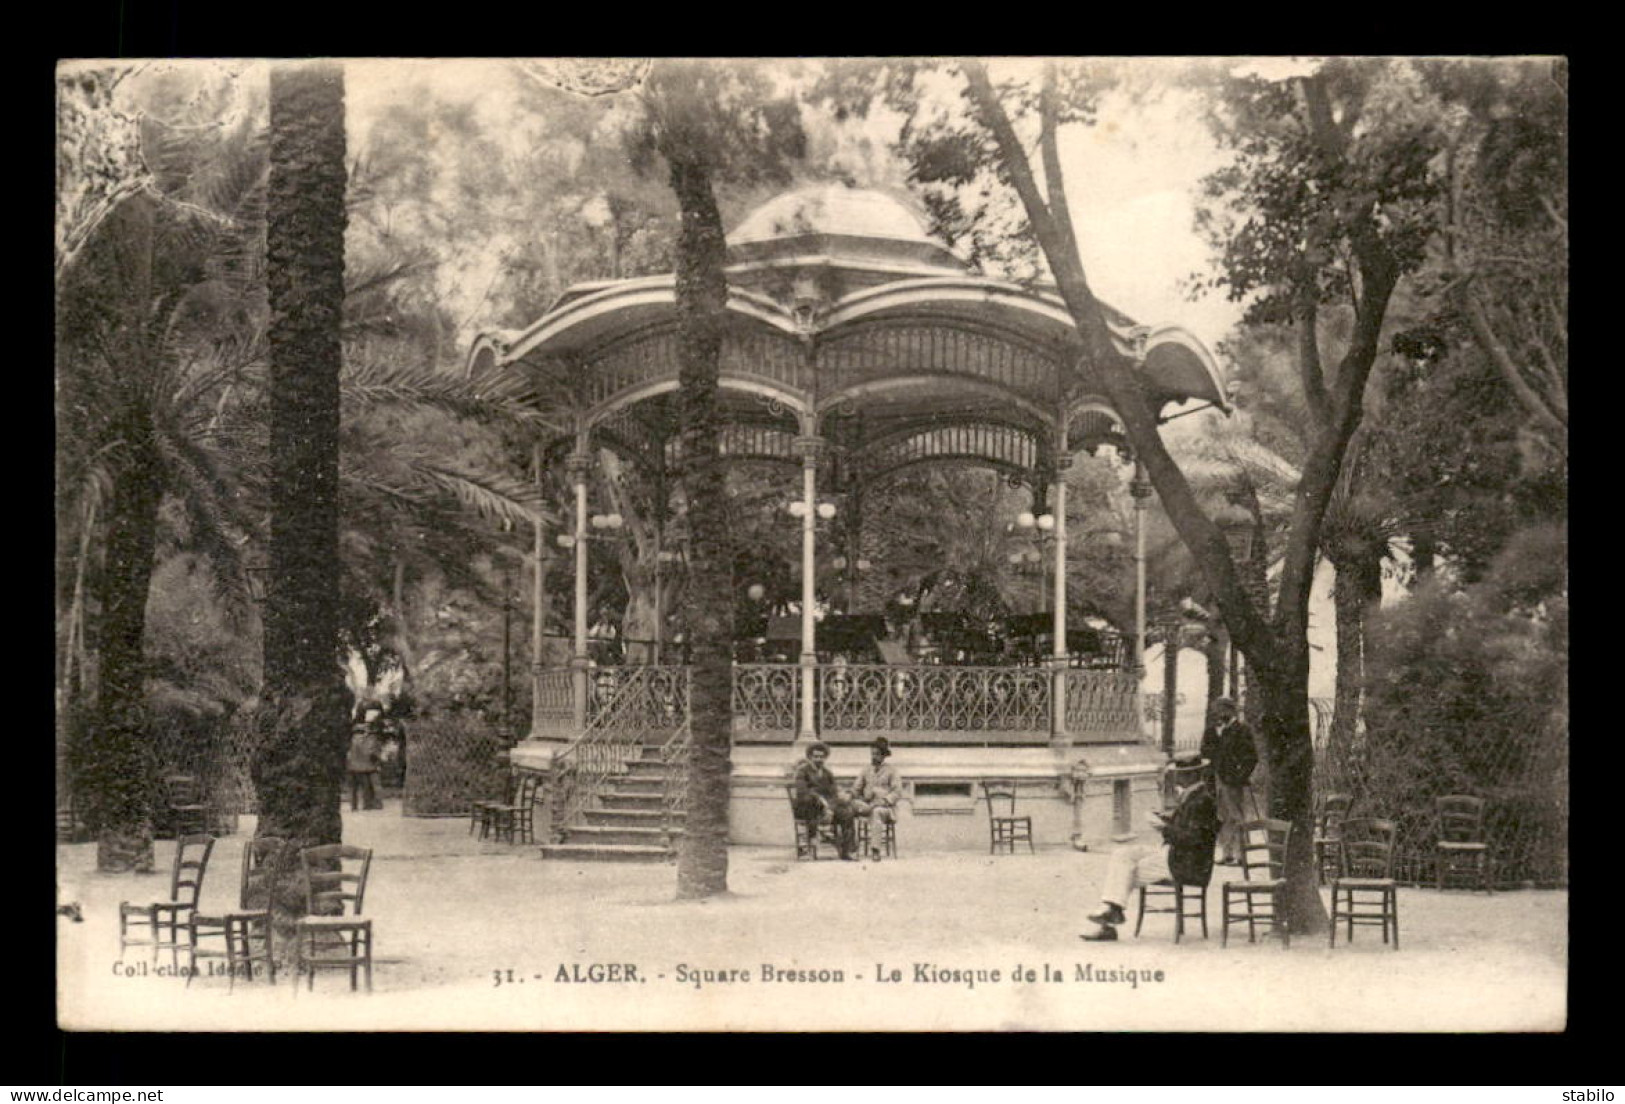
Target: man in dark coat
x=1228, y=745
x=816, y=797
x=1185, y=854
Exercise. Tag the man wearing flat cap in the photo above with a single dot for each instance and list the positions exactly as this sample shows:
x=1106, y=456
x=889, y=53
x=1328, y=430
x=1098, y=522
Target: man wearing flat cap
x=876, y=795
x=816, y=797
x=1185, y=854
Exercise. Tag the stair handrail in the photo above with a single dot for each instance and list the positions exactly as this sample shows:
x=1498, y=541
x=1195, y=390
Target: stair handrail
x=674, y=756
x=614, y=736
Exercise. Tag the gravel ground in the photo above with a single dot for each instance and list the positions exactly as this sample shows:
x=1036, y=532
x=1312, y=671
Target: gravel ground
x=476, y=935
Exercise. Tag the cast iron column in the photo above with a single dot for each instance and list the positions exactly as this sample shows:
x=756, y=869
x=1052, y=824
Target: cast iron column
x=1140, y=489
x=538, y=576
x=579, y=464
x=1058, y=658
x=810, y=448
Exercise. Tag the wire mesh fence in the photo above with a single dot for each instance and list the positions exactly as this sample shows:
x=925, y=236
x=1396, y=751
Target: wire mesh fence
x=452, y=760
x=1523, y=779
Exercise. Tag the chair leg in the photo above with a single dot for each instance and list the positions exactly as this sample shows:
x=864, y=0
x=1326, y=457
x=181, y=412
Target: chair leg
x=1179, y=912
x=1224, y=918
x=1140, y=915
x=1283, y=922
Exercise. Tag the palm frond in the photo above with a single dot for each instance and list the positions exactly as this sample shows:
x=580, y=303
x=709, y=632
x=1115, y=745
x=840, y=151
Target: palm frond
x=492, y=401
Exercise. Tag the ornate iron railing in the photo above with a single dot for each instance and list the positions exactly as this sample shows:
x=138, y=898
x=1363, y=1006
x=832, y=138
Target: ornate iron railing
x=1101, y=703
x=553, y=695
x=674, y=756
x=626, y=702
x=634, y=706
x=766, y=697
x=863, y=698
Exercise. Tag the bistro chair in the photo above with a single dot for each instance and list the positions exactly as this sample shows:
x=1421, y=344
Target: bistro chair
x=332, y=934
x=245, y=931
x=1461, y=839
x=1183, y=897
x=1260, y=898
x=185, y=811
x=888, y=844
x=809, y=834
x=477, y=807
x=514, y=821
x=1005, y=828
x=185, y=883
x=1328, y=836
x=1365, y=894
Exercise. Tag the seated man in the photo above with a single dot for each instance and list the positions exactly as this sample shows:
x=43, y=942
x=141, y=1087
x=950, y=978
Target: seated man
x=878, y=791
x=816, y=797
x=1185, y=855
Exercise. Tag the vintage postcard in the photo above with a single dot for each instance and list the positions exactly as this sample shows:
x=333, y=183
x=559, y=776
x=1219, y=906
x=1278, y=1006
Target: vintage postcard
x=913, y=544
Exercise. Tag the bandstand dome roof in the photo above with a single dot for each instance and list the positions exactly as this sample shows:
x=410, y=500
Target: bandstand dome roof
x=832, y=209
x=841, y=301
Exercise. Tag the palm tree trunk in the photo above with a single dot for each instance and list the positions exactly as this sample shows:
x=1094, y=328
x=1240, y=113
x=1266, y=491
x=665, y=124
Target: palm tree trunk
x=702, y=291
x=1356, y=591
x=118, y=772
x=299, y=770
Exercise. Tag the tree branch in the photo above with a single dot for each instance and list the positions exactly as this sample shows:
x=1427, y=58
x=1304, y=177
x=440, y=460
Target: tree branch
x=1049, y=145
x=1206, y=543
x=1478, y=321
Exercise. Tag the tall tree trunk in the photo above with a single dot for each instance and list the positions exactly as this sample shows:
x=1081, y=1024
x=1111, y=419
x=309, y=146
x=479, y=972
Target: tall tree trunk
x=1276, y=647
x=1170, y=686
x=1356, y=591
x=119, y=770
x=300, y=767
x=1288, y=741
x=118, y=767
x=1214, y=651
x=702, y=296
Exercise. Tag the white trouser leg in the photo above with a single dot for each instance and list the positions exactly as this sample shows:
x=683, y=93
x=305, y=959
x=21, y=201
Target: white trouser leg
x=1131, y=866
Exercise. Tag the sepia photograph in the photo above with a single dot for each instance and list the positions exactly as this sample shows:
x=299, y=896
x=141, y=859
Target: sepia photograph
x=652, y=544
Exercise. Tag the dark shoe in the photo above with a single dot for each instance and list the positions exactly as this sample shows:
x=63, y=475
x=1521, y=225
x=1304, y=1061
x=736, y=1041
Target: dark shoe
x=1108, y=916
x=1104, y=934
x=849, y=857
x=874, y=854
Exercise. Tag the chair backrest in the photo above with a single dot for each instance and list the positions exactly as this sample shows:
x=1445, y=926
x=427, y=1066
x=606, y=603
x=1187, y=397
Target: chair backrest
x=1333, y=812
x=182, y=789
x=191, y=863
x=335, y=878
x=1368, y=847
x=1263, y=849
x=527, y=790
x=1000, y=794
x=257, y=855
x=1461, y=818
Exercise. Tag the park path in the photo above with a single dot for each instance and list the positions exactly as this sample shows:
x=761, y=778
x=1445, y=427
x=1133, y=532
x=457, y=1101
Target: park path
x=474, y=934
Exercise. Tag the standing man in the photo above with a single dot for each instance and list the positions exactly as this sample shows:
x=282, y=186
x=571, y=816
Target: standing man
x=1228, y=746
x=878, y=790
x=361, y=761
x=1185, y=854
x=816, y=798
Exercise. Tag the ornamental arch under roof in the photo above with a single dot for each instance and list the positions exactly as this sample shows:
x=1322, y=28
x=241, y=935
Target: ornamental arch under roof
x=842, y=307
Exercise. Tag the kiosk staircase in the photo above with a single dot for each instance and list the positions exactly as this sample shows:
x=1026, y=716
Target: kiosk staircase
x=632, y=816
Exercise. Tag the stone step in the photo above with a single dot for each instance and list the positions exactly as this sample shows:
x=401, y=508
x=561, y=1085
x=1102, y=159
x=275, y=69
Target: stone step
x=608, y=852
x=628, y=818
x=627, y=784
x=611, y=799
x=645, y=768
x=601, y=834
